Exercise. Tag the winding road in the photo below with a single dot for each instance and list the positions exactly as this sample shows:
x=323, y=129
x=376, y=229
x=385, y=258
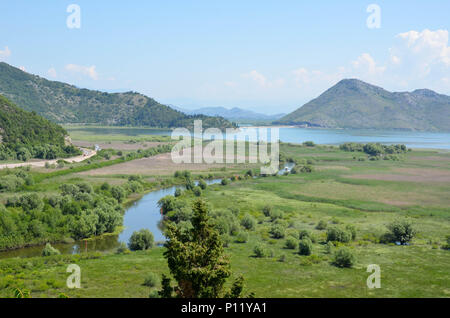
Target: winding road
x=87, y=153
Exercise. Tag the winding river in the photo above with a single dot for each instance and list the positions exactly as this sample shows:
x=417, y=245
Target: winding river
x=142, y=214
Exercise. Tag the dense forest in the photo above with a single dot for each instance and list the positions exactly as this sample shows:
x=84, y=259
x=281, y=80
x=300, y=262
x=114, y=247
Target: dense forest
x=64, y=103
x=26, y=135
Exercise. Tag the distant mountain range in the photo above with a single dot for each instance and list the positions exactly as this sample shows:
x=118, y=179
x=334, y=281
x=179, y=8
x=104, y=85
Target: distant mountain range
x=352, y=103
x=64, y=103
x=233, y=114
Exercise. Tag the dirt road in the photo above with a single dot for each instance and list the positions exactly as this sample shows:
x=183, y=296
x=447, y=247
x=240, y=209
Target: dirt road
x=87, y=153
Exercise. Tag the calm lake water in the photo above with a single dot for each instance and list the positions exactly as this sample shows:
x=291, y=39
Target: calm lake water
x=412, y=139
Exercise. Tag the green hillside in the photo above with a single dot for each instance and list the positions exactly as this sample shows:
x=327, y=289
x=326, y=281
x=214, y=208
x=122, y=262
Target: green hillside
x=352, y=103
x=64, y=103
x=26, y=135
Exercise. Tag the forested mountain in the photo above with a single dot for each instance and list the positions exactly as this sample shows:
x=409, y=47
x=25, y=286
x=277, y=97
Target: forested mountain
x=25, y=135
x=64, y=103
x=352, y=103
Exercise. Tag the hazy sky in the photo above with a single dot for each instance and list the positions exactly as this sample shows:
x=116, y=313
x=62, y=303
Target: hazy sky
x=267, y=56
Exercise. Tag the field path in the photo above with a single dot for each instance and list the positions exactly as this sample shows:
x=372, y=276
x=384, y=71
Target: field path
x=87, y=153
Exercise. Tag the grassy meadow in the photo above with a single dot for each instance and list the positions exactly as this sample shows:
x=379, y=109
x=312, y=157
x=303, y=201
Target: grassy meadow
x=344, y=188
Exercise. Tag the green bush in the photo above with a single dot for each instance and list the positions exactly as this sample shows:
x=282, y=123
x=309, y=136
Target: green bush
x=241, y=237
x=306, y=169
x=49, y=250
x=224, y=181
x=141, y=240
x=291, y=243
x=260, y=251
x=304, y=234
x=267, y=210
x=122, y=249
x=197, y=191
x=447, y=245
x=401, y=231
x=322, y=225
x=277, y=231
x=336, y=234
x=305, y=247
x=118, y=193
x=343, y=257
x=276, y=215
x=352, y=230
x=248, y=222
x=202, y=184
x=329, y=247
x=178, y=192
x=152, y=280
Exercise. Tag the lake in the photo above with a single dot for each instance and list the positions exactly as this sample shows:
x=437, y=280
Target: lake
x=412, y=139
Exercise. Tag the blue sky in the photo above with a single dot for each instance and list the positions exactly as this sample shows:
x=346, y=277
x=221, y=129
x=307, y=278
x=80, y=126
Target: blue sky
x=267, y=56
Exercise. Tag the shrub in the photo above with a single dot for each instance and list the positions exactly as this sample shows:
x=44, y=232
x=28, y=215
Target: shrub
x=118, y=193
x=202, y=184
x=49, y=250
x=267, y=210
x=261, y=251
x=141, y=240
x=276, y=215
x=152, y=280
x=305, y=246
x=352, y=230
x=242, y=237
x=277, y=231
x=335, y=234
x=189, y=184
x=291, y=243
x=224, y=182
x=306, y=169
x=322, y=225
x=178, y=192
x=30, y=202
x=329, y=247
x=11, y=183
x=343, y=257
x=197, y=191
x=401, y=231
x=85, y=187
x=309, y=144
x=447, y=245
x=304, y=234
x=122, y=249
x=105, y=186
x=248, y=222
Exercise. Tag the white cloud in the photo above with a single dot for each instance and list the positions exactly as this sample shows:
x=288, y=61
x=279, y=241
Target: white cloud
x=257, y=77
x=422, y=51
x=5, y=53
x=262, y=81
x=365, y=65
x=52, y=72
x=84, y=70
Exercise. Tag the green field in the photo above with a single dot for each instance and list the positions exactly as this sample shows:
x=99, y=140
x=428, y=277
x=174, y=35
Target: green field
x=342, y=190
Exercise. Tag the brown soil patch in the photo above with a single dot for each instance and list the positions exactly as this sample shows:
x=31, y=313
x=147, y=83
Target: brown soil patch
x=157, y=165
